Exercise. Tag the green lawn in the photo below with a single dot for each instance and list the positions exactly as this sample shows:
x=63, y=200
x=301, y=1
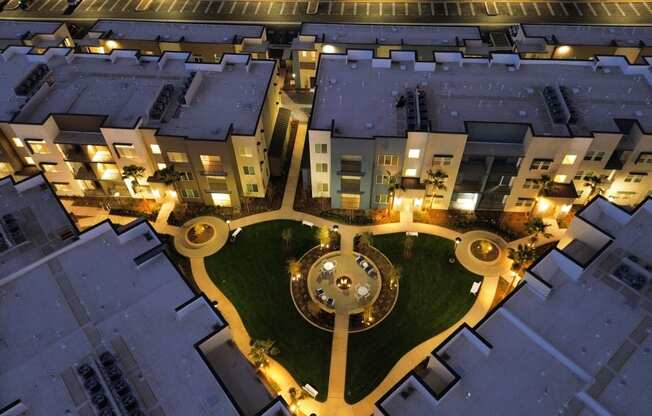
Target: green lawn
x=252, y=274
x=433, y=295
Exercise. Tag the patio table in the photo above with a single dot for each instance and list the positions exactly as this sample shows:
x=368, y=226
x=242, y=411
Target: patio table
x=329, y=266
x=363, y=291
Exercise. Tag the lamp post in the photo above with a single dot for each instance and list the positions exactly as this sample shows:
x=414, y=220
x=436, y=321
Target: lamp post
x=458, y=240
x=228, y=225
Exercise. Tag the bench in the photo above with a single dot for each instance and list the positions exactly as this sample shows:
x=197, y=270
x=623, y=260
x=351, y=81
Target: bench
x=475, y=287
x=308, y=223
x=235, y=235
x=310, y=390
x=412, y=233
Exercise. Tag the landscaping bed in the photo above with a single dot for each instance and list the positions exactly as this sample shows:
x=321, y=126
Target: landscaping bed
x=509, y=225
x=434, y=294
x=252, y=273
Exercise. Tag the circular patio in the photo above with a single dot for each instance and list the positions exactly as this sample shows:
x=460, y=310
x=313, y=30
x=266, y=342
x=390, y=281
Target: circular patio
x=483, y=253
x=201, y=237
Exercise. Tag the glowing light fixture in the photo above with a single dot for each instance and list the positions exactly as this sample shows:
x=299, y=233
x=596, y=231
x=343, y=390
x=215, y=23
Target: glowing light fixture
x=328, y=49
x=563, y=50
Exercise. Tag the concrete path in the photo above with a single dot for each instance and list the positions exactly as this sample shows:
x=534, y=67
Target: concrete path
x=337, y=374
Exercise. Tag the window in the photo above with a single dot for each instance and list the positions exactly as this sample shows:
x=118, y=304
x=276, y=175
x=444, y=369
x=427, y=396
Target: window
x=414, y=153
x=161, y=166
x=61, y=187
x=18, y=142
x=155, y=148
x=531, y=184
x=211, y=163
x=185, y=176
x=29, y=160
x=560, y=178
x=382, y=179
x=178, y=157
x=49, y=167
x=5, y=169
x=189, y=193
x=524, y=202
x=442, y=160
x=381, y=199
x=322, y=187
x=252, y=187
x=321, y=167
x=38, y=147
x=569, y=159
x=321, y=148
x=594, y=156
x=246, y=151
x=634, y=177
x=248, y=170
x=388, y=160
x=540, y=164
x=411, y=172
x=644, y=157
x=126, y=151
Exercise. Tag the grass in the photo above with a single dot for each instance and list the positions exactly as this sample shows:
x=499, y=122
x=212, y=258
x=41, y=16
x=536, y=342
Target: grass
x=252, y=274
x=433, y=295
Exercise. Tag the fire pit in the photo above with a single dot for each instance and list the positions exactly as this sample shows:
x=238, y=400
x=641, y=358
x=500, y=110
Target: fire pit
x=200, y=233
x=485, y=250
x=343, y=282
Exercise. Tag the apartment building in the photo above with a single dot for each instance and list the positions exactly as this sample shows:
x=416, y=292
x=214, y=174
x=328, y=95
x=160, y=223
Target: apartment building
x=492, y=127
x=574, y=339
x=207, y=42
x=582, y=41
x=38, y=34
x=103, y=320
x=317, y=38
x=83, y=118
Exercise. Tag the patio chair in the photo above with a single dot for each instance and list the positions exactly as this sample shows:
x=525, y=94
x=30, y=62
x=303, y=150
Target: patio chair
x=369, y=269
x=359, y=259
x=330, y=302
x=319, y=291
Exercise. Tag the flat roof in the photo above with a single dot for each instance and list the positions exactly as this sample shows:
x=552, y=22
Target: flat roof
x=174, y=31
x=361, y=99
x=90, y=297
x=390, y=34
x=590, y=34
x=16, y=29
x=126, y=88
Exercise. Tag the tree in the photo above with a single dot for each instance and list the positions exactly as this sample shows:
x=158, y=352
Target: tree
x=595, y=183
x=286, y=235
x=133, y=173
x=545, y=183
x=535, y=226
x=168, y=175
x=366, y=239
x=261, y=350
x=394, y=276
x=408, y=243
x=323, y=235
x=436, y=181
x=521, y=257
x=393, y=185
x=294, y=268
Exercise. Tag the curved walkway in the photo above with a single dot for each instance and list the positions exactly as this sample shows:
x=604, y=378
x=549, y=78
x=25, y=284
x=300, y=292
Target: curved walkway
x=335, y=404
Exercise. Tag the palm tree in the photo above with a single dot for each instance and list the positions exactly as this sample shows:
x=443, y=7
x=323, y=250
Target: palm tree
x=323, y=235
x=133, y=173
x=536, y=226
x=436, y=181
x=521, y=257
x=168, y=175
x=393, y=185
x=286, y=235
x=294, y=268
x=261, y=350
x=595, y=183
x=545, y=183
x=366, y=239
x=394, y=275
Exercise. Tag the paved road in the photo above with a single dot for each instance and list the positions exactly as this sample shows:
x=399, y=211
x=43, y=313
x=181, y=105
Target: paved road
x=635, y=11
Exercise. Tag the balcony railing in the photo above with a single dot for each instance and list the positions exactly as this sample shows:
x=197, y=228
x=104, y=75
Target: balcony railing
x=214, y=170
x=350, y=168
x=85, y=173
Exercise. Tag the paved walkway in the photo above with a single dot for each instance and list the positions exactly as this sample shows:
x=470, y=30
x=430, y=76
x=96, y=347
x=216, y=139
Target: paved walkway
x=335, y=403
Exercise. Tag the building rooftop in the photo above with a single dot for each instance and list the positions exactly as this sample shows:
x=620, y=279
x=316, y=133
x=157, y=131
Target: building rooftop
x=590, y=34
x=573, y=340
x=390, y=34
x=174, y=32
x=92, y=296
x=17, y=29
x=125, y=87
x=360, y=95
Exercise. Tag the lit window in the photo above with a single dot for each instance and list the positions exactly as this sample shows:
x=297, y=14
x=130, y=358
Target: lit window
x=569, y=159
x=411, y=172
x=322, y=187
x=156, y=149
x=49, y=167
x=388, y=160
x=211, y=163
x=38, y=147
x=540, y=164
x=5, y=169
x=381, y=199
x=321, y=167
x=178, y=157
x=18, y=142
x=560, y=178
x=126, y=151
x=252, y=188
x=29, y=160
x=442, y=160
x=321, y=148
x=161, y=166
x=524, y=202
x=248, y=170
x=61, y=187
x=246, y=151
x=414, y=153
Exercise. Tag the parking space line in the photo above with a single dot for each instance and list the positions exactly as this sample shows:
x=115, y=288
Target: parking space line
x=446, y=8
x=550, y=9
x=126, y=5
x=232, y=7
x=472, y=9
x=509, y=9
x=184, y=6
x=102, y=5
x=432, y=8
x=619, y=9
x=90, y=6
x=579, y=11
x=116, y=3
x=43, y=4
x=194, y=9
x=330, y=7
x=523, y=10
x=55, y=5
x=635, y=9
x=140, y=2
x=244, y=9
x=647, y=7
x=536, y=8
x=419, y=8
x=592, y=9
x=459, y=9
x=208, y=6
x=380, y=9
x=294, y=10
x=605, y=9
x=406, y=8
x=219, y=9
x=563, y=8
x=269, y=9
x=257, y=7
x=368, y=9
x=172, y=5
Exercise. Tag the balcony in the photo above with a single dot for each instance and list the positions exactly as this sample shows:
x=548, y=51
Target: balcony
x=219, y=187
x=85, y=173
x=216, y=169
x=412, y=183
x=350, y=168
x=561, y=190
x=350, y=186
x=75, y=155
